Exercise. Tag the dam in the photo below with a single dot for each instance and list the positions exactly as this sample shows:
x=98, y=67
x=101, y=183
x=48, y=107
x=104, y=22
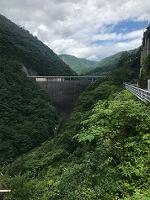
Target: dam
x=63, y=91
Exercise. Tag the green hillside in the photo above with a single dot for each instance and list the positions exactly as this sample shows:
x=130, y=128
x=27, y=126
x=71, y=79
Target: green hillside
x=20, y=45
x=113, y=62
x=101, y=153
x=26, y=116
x=79, y=65
x=106, y=64
x=145, y=72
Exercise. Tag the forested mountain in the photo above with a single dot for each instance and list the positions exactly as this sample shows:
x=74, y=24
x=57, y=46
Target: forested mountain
x=26, y=116
x=101, y=153
x=79, y=65
x=106, y=64
x=145, y=72
x=19, y=44
x=113, y=62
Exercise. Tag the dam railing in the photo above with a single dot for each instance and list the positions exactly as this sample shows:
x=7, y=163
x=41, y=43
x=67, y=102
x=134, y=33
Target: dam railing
x=65, y=78
x=143, y=95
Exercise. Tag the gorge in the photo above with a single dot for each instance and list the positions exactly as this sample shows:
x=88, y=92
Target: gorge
x=102, y=149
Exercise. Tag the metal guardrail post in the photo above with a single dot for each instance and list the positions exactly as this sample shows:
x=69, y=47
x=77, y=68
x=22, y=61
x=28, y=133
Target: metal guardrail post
x=148, y=85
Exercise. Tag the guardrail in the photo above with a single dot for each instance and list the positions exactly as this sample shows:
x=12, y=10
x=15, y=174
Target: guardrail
x=143, y=95
x=65, y=78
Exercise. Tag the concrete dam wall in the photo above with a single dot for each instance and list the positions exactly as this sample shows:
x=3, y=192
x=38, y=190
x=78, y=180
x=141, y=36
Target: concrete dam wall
x=63, y=91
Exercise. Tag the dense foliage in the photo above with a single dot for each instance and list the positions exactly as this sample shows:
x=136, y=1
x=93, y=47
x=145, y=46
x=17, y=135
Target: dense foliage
x=20, y=45
x=101, y=153
x=124, y=71
x=145, y=72
x=26, y=117
x=119, y=60
x=106, y=65
x=79, y=65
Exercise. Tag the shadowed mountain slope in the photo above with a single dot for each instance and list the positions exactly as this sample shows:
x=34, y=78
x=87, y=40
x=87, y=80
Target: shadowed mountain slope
x=19, y=44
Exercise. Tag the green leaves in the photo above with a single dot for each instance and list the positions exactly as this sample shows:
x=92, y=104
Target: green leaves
x=26, y=118
x=102, y=153
x=145, y=71
x=121, y=125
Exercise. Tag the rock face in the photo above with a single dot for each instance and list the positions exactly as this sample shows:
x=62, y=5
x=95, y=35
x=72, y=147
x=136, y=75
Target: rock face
x=145, y=48
x=145, y=59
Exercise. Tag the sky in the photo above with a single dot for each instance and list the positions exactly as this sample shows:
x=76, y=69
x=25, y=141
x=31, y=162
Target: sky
x=91, y=29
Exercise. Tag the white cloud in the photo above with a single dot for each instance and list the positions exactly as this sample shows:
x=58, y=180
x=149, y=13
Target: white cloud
x=42, y=27
x=76, y=26
x=120, y=36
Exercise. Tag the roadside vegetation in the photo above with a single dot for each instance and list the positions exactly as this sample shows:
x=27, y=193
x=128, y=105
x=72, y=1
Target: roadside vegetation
x=101, y=153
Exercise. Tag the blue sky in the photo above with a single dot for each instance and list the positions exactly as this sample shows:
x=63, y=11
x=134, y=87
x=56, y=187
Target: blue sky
x=124, y=27
x=128, y=26
x=91, y=29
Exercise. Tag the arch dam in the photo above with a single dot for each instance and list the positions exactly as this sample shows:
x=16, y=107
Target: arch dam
x=63, y=91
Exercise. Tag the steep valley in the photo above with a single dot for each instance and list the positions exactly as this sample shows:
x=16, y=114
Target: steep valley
x=101, y=152
x=27, y=117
